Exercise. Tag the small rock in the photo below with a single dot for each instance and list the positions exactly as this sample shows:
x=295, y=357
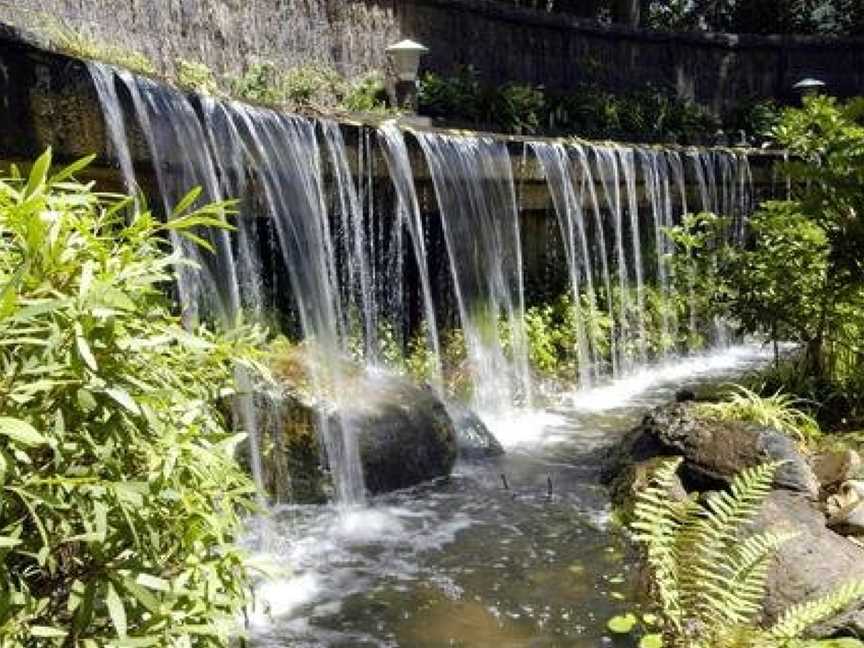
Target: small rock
x=473, y=438
x=846, y=508
x=833, y=468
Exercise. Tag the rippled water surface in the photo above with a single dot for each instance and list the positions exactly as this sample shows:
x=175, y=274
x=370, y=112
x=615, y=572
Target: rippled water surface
x=465, y=561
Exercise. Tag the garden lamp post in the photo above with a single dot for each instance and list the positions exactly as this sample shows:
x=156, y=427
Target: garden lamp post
x=406, y=59
x=808, y=86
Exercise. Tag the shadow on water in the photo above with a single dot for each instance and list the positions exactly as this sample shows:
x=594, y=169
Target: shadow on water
x=467, y=562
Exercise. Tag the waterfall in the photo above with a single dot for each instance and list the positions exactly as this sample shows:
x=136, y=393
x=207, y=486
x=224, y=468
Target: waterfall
x=610, y=177
x=476, y=196
x=655, y=169
x=359, y=302
x=103, y=80
x=627, y=160
x=723, y=180
x=561, y=178
x=408, y=212
x=189, y=283
x=313, y=237
x=285, y=156
x=226, y=150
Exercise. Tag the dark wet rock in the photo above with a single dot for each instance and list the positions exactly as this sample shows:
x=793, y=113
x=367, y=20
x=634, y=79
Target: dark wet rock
x=813, y=563
x=473, y=438
x=685, y=395
x=714, y=451
x=293, y=462
x=405, y=434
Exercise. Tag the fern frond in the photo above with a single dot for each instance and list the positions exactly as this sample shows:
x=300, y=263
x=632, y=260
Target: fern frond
x=747, y=571
x=800, y=617
x=658, y=517
x=705, y=546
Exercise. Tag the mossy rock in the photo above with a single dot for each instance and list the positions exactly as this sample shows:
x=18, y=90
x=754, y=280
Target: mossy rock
x=404, y=432
x=714, y=451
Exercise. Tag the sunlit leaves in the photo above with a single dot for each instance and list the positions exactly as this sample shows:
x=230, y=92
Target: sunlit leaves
x=20, y=432
x=121, y=496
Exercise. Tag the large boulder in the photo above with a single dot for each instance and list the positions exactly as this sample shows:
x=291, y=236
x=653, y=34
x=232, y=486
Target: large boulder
x=714, y=451
x=813, y=563
x=403, y=431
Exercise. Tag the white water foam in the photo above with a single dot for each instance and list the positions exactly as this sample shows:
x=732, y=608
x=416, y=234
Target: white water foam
x=527, y=429
x=626, y=391
x=329, y=558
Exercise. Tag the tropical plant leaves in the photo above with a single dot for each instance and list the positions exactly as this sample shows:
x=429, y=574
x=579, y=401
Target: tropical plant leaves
x=21, y=432
x=114, y=454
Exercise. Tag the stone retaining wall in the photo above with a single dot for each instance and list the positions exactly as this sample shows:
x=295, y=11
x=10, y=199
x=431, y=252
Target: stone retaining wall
x=504, y=43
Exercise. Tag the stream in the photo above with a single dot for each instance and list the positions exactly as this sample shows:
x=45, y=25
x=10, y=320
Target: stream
x=466, y=562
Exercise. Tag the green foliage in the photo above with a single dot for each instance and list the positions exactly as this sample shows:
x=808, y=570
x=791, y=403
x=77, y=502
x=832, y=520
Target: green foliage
x=648, y=113
x=800, y=275
x=757, y=118
x=798, y=618
x=513, y=107
x=778, y=411
x=259, y=84
x=842, y=17
x=454, y=354
x=366, y=94
x=121, y=496
x=518, y=108
x=589, y=111
x=551, y=331
x=698, y=265
x=196, y=77
x=776, y=285
x=708, y=581
x=311, y=86
x=79, y=45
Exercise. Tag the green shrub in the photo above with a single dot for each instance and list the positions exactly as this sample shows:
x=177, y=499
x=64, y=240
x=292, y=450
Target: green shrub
x=367, y=94
x=518, y=108
x=313, y=86
x=708, y=581
x=121, y=496
x=457, y=97
x=259, y=84
x=196, y=77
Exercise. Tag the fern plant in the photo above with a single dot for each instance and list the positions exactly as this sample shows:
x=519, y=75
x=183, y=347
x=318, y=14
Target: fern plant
x=709, y=582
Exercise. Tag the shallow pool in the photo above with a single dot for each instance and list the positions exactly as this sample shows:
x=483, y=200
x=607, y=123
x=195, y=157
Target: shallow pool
x=517, y=552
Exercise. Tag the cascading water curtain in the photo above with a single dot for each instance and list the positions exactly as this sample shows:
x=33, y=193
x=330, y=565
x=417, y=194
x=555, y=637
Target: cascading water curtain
x=235, y=147
x=642, y=193
x=308, y=227
x=476, y=197
x=408, y=214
